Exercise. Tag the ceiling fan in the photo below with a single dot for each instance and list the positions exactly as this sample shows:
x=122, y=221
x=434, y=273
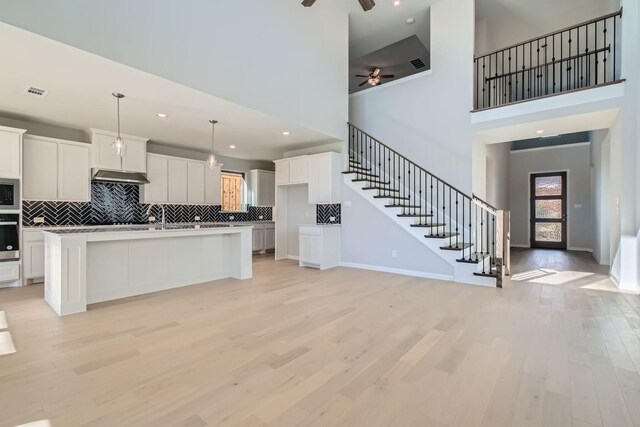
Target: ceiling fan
x=374, y=77
x=366, y=4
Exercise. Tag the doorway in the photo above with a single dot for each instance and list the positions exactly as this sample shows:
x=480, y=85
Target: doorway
x=549, y=210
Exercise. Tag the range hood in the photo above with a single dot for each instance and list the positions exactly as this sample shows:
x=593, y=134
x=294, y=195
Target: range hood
x=124, y=177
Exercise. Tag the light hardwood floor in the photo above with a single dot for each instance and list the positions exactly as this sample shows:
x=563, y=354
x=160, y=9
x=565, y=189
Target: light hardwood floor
x=341, y=347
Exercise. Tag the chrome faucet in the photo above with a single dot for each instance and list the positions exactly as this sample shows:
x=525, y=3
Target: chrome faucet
x=163, y=222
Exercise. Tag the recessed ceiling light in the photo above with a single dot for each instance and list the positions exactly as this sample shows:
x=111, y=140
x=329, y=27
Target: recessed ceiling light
x=397, y=3
x=233, y=147
x=540, y=132
x=411, y=21
x=286, y=133
x=162, y=115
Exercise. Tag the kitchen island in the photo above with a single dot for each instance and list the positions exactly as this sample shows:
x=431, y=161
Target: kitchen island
x=90, y=265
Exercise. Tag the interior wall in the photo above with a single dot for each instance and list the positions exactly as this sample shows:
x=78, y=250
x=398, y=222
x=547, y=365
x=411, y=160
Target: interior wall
x=299, y=211
x=259, y=54
x=370, y=242
x=498, y=166
x=426, y=116
x=600, y=191
x=576, y=160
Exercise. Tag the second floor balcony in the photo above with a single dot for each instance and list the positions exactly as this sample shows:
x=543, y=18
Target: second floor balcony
x=583, y=56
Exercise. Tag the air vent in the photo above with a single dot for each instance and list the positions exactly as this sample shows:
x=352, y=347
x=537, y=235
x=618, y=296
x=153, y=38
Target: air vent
x=417, y=63
x=32, y=90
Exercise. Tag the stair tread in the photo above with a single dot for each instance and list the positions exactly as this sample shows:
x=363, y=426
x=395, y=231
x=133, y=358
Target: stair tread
x=486, y=274
x=458, y=247
x=403, y=206
x=381, y=188
x=409, y=215
x=441, y=236
x=427, y=225
x=391, y=197
x=473, y=259
x=369, y=180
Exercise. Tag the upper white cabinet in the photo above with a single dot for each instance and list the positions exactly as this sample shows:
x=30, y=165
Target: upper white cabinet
x=103, y=156
x=324, y=178
x=294, y=170
x=10, y=140
x=157, y=190
x=212, y=189
x=55, y=169
x=178, y=180
x=74, y=176
x=195, y=182
x=263, y=188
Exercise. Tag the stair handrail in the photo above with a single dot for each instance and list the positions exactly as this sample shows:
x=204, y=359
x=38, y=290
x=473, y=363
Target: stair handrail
x=410, y=161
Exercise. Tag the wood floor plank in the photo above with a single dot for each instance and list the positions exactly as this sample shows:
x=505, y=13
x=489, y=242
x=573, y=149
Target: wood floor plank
x=340, y=347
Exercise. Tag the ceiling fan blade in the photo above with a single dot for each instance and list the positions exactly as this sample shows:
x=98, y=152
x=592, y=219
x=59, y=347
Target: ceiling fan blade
x=308, y=3
x=388, y=76
x=361, y=75
x=376, y=72
x=363, y=83
x=367, y=4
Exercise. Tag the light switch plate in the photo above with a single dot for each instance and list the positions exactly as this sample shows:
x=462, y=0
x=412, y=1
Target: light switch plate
x=38, y=220
x=197, y=218
x=260, y=216
x=231, y=217
x=152, y=219
x=347, y=203
x=332, y=219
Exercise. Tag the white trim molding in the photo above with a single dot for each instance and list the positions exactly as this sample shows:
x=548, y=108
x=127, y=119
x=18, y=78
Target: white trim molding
x=400, y=271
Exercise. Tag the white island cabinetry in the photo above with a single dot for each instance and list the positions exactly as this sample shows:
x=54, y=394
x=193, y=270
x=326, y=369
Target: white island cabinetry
x=89, y=266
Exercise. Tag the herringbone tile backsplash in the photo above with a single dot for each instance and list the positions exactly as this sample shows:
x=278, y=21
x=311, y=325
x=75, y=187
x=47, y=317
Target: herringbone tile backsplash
x=119, y=203
x=324, y=213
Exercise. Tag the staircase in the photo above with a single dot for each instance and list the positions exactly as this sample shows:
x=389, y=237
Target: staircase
x=463, y=230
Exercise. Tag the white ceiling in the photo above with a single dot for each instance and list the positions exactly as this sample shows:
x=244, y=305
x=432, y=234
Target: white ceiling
x=80, y=86
x=386, y=24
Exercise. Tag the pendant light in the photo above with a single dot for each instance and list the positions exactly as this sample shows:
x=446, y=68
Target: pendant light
x=212, y=161
x=118, y=145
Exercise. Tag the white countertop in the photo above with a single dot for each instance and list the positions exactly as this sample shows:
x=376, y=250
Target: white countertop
x=109, y=227
x=134, y=232
x=319, y=225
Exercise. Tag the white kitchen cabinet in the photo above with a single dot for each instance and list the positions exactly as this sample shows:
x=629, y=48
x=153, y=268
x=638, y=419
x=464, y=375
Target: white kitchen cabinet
x=178, y=181
x=158, y=175
x=212, y=189
x=319, y=246
x=103, y=156
x=9, y=272
x=263, y=187
x=270, y=237
x=324, y=178
x=74, y=176
x=55, y=169
x=195, y=182
x=10, y=140
x=298, y=170
x=40, y=169
x=293, y=170
x=258, y=239
x=32, y=254
x=282, y=172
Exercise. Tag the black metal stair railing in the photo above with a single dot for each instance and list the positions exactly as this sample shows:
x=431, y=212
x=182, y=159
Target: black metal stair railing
x=582, y=56
x=441, y=209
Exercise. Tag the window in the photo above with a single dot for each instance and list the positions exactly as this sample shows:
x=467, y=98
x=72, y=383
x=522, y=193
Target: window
x=232, y=190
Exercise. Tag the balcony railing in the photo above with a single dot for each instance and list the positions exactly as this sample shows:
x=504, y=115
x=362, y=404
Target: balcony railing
x=583, y=56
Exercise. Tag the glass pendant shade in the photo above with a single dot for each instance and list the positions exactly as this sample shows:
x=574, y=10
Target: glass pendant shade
x=212, y=161
x=119, y=145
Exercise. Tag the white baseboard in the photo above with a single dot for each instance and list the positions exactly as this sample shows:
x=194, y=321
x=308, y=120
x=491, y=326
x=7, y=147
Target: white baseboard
x=580, y=249
x=293, y=257
x=514, y=245
x=400, y=271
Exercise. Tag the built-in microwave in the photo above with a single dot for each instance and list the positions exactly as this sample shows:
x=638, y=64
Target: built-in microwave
x=9, y=194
